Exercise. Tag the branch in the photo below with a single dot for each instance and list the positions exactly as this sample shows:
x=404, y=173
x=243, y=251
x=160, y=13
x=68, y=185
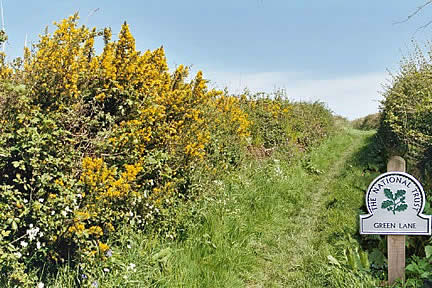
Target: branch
x=91, y=14
x=423, y=26
x=415, y=13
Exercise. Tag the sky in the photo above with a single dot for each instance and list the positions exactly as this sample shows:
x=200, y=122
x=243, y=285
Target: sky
x=335, y=51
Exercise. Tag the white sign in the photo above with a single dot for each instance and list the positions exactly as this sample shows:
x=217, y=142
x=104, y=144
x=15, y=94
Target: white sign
x=395, y=202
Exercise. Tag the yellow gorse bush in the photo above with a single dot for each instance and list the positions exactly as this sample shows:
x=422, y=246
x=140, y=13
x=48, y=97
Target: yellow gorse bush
x=151, y=126
x=5, y=70
x=62, y=63
x=102, y=183
x=236, y=116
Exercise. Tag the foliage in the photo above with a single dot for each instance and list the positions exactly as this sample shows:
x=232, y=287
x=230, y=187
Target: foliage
x=270, y=117
x=310, y=123
x=419, y=271
x=353, y=266
x=90, y=144
x=369, y=122
x=405, y=130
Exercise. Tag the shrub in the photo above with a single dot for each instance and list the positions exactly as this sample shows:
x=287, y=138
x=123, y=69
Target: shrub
x=369, y=122
x=310, y=123
x=92, y=142
x=405, y=128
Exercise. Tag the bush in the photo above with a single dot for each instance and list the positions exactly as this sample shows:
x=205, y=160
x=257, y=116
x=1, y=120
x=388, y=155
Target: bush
x=405, y=128
x=310, y=122
x=90, y=143
x=369, y=122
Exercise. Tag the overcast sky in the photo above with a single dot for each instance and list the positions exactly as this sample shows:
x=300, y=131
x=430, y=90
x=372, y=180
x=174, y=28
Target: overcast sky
x=335, y=51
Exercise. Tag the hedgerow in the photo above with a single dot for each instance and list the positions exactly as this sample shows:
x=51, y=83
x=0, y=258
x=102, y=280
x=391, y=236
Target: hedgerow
x=405, y=130
x=369, y=122
x=89, y=143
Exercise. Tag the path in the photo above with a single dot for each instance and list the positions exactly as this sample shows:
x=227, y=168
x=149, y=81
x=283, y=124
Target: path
x=275, y=223
x=287, y=252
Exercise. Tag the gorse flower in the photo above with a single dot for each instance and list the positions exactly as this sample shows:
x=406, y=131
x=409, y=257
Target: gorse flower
x=103, y=247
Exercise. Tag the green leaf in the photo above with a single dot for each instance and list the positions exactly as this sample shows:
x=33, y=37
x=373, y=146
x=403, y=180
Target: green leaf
x=333, y=260
x=401, y=207
x=377, y=257
x=16, y=164
x=412, y=267
x=428, y=251
x=386, y=203
x=425, y=275
x=388, y=193
x=400, y=193
x=162, y=255
x=364, y=259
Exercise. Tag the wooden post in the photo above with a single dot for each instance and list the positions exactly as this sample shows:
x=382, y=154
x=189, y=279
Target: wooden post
x=396, y=243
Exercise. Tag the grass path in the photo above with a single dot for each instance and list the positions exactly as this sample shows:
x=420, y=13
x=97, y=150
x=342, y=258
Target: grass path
x=279, y=222
x=301, y=239
x=301, y=243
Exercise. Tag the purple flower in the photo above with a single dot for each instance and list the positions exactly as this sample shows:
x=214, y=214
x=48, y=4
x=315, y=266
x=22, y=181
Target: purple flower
x=109, y=253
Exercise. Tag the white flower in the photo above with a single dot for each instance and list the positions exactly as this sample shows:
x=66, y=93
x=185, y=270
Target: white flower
x=52, y=213
x=32, y=232
x=131, y=267
x=41, y=200
x=38, y=245
x=106, y=270
x=40, y=285
x=129, y=246
x=24, y=244
x=18, y=254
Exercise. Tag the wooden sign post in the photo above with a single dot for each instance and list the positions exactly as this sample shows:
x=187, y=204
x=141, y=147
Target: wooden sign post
x=395, y=202
x=396, y=243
